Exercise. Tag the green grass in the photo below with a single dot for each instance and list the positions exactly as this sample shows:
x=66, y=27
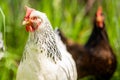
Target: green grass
x=69, y=15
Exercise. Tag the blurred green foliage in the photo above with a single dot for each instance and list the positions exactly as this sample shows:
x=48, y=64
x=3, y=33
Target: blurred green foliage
x=68, y=15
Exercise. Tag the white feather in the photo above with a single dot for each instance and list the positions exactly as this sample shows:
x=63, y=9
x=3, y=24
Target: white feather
x=37, y=64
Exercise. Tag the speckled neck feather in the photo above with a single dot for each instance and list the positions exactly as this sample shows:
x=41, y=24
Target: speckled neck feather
x=44, y=39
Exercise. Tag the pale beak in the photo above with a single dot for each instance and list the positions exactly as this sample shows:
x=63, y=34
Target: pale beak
x=25, y=22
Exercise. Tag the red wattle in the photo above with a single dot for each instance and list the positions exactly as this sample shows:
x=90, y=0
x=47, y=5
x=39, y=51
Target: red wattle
x=29, y=29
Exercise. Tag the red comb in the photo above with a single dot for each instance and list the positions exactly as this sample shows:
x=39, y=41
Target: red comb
x=99, y=11
x=28, y=11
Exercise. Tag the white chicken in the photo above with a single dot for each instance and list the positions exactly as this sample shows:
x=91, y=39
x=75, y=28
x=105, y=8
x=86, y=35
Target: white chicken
x=45, y=57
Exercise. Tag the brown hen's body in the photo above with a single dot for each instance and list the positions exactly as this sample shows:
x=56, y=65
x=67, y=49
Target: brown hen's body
x=96, y=57
x=103, y=57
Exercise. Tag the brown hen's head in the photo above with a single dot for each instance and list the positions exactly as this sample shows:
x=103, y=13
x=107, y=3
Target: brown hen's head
x=33, y=19
x=99, y=18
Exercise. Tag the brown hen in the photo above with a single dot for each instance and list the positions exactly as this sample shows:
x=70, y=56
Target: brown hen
x=96, y=58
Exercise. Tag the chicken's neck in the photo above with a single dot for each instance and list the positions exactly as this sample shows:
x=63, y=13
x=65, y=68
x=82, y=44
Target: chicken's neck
x=98, y=35
x=44, y=42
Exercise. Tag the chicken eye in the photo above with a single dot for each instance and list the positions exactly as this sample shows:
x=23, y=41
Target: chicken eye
x=34, y=18
x=102, y=14
x=26, y=18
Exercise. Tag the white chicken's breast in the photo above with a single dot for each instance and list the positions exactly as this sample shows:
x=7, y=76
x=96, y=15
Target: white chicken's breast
x=45, y=57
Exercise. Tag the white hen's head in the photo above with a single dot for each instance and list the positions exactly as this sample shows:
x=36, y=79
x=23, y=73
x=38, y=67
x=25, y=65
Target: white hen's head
x=34, y=20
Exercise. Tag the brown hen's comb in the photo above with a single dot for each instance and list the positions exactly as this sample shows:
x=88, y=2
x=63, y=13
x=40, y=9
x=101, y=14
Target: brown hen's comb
x=28, y=11
x=99, y=11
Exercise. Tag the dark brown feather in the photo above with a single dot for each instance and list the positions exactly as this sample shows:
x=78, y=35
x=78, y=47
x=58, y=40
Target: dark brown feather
x=96, y=58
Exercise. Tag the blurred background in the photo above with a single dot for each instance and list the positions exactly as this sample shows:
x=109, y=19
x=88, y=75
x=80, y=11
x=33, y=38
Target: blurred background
x=73, y=17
